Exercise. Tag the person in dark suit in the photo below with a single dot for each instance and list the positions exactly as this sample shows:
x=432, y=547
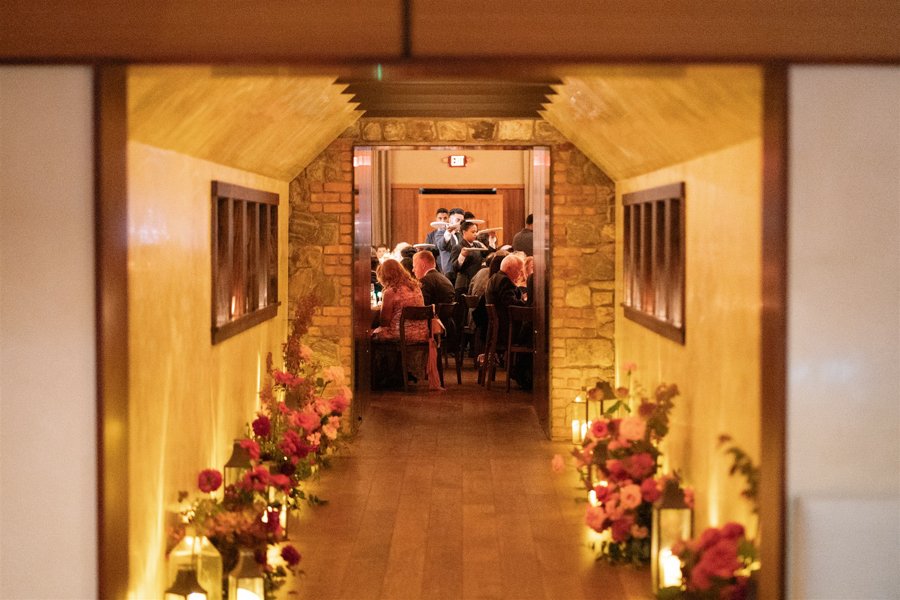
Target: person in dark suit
x=502, y=293
x=449, y=240
x=436, y=288
x=466, y=263
x=440, y=215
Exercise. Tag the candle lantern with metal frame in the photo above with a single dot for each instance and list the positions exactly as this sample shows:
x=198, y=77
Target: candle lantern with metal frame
x=238, y=464
x=576, y=416
x=186, y=586
x=246, y=581
x=673, y=520
x=597, y=397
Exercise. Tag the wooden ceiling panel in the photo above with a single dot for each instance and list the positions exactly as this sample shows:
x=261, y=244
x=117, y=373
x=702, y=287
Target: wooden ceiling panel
x=268, y=122
x=633, y=120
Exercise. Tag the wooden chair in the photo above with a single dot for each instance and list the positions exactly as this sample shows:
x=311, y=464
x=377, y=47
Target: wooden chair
x=520, y=319
x=488, y=361
x=448, y=314
x=468, y=329
x=409, y=315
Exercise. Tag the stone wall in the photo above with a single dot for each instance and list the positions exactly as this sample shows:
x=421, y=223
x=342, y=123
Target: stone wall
x=582, y=200
x=321, y=247
x=582, y=281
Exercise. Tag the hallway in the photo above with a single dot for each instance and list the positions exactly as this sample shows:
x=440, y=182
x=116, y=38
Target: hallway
x=451, y=496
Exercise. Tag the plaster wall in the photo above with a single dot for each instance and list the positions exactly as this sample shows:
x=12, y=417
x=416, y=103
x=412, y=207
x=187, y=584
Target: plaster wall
x=188, y=398
x=485, y=167
x=718, y=368
x=48, y=399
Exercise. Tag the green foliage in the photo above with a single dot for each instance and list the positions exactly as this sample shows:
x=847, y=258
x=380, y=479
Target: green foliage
x=742, y=464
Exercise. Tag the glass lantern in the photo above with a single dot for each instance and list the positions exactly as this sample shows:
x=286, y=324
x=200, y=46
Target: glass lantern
x=278, y=505
x=246, y=580
x=186, y=586
x=673, y=520
x=237, y=465
x=577, y=417
x=198, y=553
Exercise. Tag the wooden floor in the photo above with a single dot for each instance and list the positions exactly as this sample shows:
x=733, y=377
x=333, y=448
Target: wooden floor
x=451, y=495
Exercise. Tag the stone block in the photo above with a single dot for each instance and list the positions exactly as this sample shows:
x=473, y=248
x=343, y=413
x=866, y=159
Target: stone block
x=452, y=131
x=394, y=131
x=515, y=129
x=482, y=130
x=590, y=353
x=547, y=133
x=420, y=131
x=598, y=266
x=371, y=132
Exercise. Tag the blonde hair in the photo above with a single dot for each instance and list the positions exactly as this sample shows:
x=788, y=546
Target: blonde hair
x=392, y=274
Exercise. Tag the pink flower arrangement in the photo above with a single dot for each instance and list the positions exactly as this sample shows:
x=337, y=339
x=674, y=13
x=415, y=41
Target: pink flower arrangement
x=622, y=452
x=717, y=564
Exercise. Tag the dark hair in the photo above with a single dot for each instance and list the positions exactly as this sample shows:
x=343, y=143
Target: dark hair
x=468, y=215
x=499, y=255
x=457, y=211
x=408, y=252
x=529, y=220
x=441, y=210
x=466, y=225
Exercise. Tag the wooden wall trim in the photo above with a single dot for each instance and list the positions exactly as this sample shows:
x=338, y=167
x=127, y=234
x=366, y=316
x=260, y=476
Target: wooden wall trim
x=773, y=347
x=319, y=31
x=111, y=222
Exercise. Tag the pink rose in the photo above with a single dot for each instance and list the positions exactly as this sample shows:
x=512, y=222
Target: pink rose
x=615, y=469
x=557, y=464
x=251, y=447
x=209, y=480
x=309, y=420
x=622, y=392
x=599, y=429
x=650, y=490
x=315, y=439
x=339, y=403
x=732, y=531
x=709, y=538
x=322, y=407
x=256, y=479
x=595, y=517
x=639, y=532
x=621, y=529
x=720, y=560
x=639, y=465
x=602, y=492
x=631, y=496
x=262, y=426
x=286, y=379
x=290, y=555
x=282, y=482
x=633, y=428
x=330, y=431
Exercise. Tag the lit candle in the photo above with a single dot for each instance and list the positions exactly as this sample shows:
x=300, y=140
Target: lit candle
x=243, y=594
x=592, y=498
x=671, y=568
x=584, y=430
x=577, y=437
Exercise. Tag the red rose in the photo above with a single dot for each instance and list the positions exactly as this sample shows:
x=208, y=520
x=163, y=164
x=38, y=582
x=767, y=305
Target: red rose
x=262, y=426
x=650, y=490
x=733, y=531
x=621, y=529
x=599, y=428
x=209, y=480
x=290, y=555
x=282, y=482
x=256, y=479
x=251, y=447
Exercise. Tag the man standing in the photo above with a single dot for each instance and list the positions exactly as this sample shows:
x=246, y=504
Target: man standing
x=436, y=288
x=441, y=215
x=448, y=241
x=524, y=240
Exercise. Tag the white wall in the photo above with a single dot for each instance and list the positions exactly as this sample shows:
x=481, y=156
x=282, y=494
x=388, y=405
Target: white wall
x=843, y=464
x=48, y=505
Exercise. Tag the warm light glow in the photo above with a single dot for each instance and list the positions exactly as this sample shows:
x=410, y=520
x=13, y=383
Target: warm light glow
x=243, y=594
x=577, y=438
x=196, y=596
x=592, y=498
x=671, y=568
x=233, y=304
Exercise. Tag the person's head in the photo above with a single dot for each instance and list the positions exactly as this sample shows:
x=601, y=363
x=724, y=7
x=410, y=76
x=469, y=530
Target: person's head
x=528, y=266
x=442, y=215
x=529, y=221
x=469, y=231
x=468, y=215
x=408, y=252
x=423, y=261
x=512, y=266
x=499, y=255
x=398, y=250
x=380, y=251
x=457, y=211
x=391, y=274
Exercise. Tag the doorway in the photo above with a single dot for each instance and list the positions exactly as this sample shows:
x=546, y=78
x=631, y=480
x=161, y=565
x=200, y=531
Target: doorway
x=395, y=201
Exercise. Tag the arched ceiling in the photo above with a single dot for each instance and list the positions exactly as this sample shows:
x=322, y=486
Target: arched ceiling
x=273, y=121
x=267, y=121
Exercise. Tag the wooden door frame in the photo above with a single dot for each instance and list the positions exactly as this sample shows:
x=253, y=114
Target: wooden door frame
x=112, y=327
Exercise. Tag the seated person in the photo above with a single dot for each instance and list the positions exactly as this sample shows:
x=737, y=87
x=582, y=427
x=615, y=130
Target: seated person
x=480, y=281
x=436, y=288
x=501, y=292
x=400, y=290
x=406, y=259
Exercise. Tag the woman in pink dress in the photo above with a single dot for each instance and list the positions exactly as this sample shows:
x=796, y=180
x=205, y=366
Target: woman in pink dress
x=402, y=289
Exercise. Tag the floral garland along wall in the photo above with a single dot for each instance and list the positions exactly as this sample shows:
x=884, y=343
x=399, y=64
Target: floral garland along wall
x=296, y=429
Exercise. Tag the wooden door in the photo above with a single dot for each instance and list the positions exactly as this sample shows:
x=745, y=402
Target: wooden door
x=363, y=181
